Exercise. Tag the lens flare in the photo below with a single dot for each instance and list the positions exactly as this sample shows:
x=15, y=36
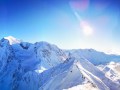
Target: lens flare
x=84, y=25
x=79, y=5
x=86, y=28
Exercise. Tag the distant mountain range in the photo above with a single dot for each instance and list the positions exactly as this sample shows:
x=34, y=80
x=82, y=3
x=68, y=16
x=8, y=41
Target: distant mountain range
x=44, y=66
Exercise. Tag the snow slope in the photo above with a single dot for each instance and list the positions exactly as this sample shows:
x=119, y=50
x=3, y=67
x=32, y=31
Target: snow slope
x=93, y=56
x=112, y=71
x=87, y=86
x=19, y=58
x=43, y=66
x=75, y=72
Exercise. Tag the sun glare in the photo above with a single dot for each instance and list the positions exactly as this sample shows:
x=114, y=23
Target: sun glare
x=86, y=28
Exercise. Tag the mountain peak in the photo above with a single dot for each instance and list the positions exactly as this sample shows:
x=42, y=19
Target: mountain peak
x=12, y=40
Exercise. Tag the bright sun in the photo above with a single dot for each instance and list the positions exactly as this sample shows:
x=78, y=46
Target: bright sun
x=86, y=28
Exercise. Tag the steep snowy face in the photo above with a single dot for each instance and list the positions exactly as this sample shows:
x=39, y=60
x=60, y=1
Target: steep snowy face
x=42, y=55
x=25, y=54
x=74, y=72
x=18, y=59
x=8, y=64
x=12, y=40
x=93, y=56
x=49, y=55
x=29, y=81
x=6, y=53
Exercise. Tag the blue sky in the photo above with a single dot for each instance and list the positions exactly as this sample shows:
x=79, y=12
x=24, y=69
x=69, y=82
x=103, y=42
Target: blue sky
x=66, y=23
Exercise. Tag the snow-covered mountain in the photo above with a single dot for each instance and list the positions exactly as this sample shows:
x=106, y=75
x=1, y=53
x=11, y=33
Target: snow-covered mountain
x=43, y=66
x=93, y=56
x=18, y=58
x=112, y=71
x=73, y=72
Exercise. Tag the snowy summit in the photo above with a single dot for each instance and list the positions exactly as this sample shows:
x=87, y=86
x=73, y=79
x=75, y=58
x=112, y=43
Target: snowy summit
x=12, y=40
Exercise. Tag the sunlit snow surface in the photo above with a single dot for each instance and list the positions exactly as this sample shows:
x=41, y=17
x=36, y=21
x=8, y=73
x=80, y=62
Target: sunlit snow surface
x=12, y=40
x=87, y=86
x=43, y=66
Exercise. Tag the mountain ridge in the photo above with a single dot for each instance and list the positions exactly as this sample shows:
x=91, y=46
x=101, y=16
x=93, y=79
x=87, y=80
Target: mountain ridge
x=40, y=66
